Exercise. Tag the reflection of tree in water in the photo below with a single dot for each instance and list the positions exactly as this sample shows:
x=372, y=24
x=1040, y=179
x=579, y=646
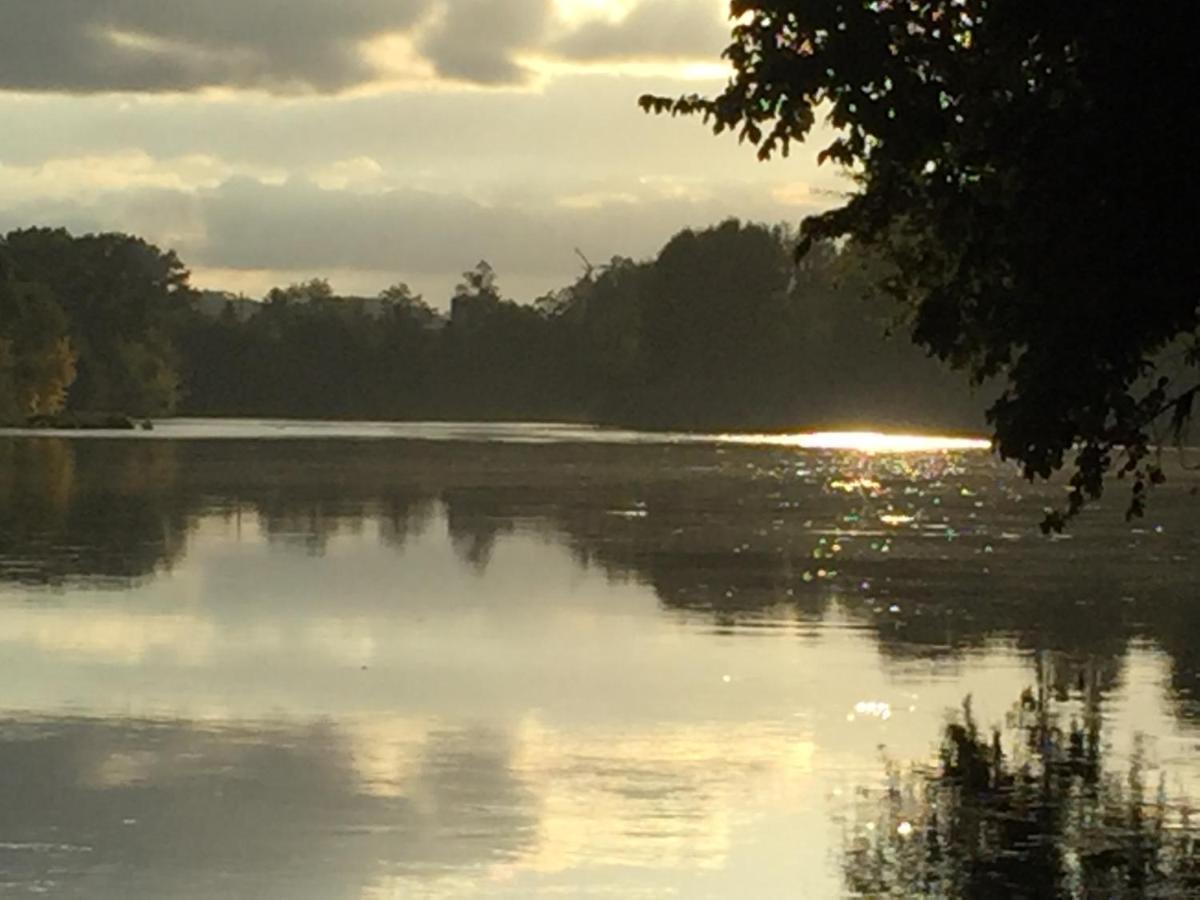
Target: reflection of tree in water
x=308, y=519
x=730, y=534
x=1178, y=634
x=475, y=518
x=404, y=514
x=1044, y=819
x=306, y=493
x=109, y=510
x=88, y=509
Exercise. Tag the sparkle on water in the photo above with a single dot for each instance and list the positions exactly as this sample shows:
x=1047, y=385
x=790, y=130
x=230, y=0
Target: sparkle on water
x=864, y=441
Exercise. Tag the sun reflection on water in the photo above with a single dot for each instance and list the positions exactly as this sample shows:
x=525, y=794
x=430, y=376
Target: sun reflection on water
x=863, y=441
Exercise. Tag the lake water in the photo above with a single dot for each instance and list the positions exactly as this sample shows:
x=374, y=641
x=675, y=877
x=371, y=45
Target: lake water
x=268, y=660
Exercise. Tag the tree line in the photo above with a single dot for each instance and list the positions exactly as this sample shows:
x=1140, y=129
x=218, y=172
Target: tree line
x=720, y=329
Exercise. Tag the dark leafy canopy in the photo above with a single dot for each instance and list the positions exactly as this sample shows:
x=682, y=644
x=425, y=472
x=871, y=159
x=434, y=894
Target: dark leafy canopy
x=121, y=297
x=719, y=331
x=37, y=361
x=1030, y=171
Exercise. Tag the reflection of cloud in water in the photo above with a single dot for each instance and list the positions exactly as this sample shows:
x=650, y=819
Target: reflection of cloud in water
x=96, y=809
x=666, y=797
x=133, y=638
x=113, y=636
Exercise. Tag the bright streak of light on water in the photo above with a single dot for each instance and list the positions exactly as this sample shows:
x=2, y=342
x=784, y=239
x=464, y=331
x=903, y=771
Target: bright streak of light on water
x=862, y=441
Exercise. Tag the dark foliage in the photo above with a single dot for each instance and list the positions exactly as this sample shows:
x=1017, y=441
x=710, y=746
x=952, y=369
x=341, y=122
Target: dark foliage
x=109, y=304
x=719, y=331
x=1029, y=171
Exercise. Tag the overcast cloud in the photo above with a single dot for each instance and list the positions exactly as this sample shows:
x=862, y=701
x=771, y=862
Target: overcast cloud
x=315, y=157
x=421, y=237
x=476, y=40
x=654, y=29
x=87, y=46
x=297, y=46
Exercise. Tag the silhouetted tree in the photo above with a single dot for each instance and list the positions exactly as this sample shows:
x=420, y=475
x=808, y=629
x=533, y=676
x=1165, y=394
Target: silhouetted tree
x=718, y=331
x=1028, y=173
x=37, y=361
x=121, y=297
x=496, y=353
x=601, y=327
x=716, y=324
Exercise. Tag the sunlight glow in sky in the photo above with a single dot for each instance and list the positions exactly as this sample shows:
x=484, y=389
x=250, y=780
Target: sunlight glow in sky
x=581, y=10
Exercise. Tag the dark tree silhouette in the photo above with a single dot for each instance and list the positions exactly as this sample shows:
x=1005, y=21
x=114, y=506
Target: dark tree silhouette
x=716, y=332
x=37, y=359
x=1028, y=172
x=121, y=297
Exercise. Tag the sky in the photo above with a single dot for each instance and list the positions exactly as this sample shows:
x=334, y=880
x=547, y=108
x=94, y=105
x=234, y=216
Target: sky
x=377, y=141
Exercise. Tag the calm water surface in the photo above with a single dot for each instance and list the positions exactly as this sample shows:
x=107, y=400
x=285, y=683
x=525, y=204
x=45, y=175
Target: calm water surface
x=340, y=661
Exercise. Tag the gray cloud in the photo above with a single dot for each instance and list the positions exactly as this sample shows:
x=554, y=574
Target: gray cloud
x=657, y=29
x=423, y=237
x=417, y=184
x=429, y=238
x=301, y=46
x=581, y=126
x=297, y=225
x=475, y=40
x=86, y=46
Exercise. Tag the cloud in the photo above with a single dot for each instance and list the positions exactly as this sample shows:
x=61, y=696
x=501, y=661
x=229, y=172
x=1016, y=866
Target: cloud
x=384, y=184
x=654, y=29
x=252, y=224
x=477, y=40
x=87, y=46
x=432, y=236
x=428, y=238
x=581, y=126
x=324, y=46
x=72, y=176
